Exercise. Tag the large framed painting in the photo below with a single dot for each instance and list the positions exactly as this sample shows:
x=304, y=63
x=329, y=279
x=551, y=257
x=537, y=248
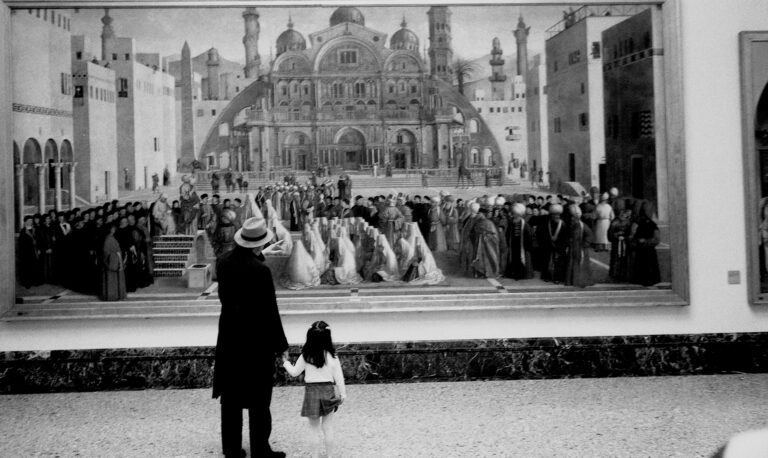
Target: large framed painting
x=403, y=158
x=754, y=89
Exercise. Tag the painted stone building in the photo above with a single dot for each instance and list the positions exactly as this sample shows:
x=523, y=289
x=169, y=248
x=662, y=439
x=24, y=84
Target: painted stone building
x=575, y=94
x=95, y=123
x=146, y=139
x=42, y=111
x=633, y=82
x=498, y=91
x=342, y=97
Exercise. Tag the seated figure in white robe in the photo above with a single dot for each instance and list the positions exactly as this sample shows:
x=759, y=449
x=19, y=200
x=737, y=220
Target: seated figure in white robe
x=282, y=235
x=316, y=249
x=423, y=269
x=301, y=271
x=387, y=269
x=343, y=270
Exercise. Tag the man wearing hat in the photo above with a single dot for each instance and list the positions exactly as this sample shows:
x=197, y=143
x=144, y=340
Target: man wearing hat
x=250, y=337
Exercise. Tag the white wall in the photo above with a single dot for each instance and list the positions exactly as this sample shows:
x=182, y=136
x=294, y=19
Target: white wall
x=715, y=225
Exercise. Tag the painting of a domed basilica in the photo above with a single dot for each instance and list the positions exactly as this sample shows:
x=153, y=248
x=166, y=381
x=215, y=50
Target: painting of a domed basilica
x=346, y=96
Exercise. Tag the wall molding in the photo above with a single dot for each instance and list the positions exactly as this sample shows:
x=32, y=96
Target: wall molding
x=423, y=361
x=34, y=109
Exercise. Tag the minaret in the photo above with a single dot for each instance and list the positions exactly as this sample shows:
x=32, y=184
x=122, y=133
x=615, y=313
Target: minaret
x=440, y=52
x=497, y=77
x=213, y=74
x=107, y=34
x=251, y=42
x=187, y=110
x=521, y=36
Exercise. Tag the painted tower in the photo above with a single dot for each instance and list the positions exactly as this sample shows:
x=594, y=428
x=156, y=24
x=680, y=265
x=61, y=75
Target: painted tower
x=107, y=35
x=497, y=77
x=251, y=42
x=187, y=121
x=213, y=74
x=440, y=52
x=521, y=36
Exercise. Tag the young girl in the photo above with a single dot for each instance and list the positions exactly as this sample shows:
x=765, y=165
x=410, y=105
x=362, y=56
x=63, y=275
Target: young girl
x=322, y=370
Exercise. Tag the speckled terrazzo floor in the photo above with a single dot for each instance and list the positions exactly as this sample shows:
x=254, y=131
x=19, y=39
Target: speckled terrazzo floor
x=617, y=417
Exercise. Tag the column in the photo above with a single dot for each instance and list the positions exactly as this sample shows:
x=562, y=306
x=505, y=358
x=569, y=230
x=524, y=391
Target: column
x=57, y=168
x=20, y=191
x=407, y=157
x=72, y=193
x=41, y=187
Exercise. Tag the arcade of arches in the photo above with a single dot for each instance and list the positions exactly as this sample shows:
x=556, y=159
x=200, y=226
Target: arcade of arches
x=349, y=150
x=45, y=176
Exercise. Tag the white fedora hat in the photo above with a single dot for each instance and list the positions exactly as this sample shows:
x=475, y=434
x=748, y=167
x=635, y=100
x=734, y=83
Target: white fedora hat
x=253, y=234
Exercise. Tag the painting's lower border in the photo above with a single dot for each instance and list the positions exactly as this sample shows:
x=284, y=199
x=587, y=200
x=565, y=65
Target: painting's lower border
x=607, y=356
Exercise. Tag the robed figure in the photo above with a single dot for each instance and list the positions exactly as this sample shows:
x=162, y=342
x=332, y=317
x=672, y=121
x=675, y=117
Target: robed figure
x=519, y=245
x=437, y=221
x=250, y=337
x=578, y=271
x=190, y=203
x=130, y=254
x=390, y=222
x=644, y=238
x=618, y=235
x=452, y=237
x=467, y=246
x=295, y=213
x=30, y=268
x=552, y=237
x=112, y=271
x=502, y=221
x=485, y=238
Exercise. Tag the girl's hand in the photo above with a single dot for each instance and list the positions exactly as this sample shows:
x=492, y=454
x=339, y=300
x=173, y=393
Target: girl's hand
x=343, y=398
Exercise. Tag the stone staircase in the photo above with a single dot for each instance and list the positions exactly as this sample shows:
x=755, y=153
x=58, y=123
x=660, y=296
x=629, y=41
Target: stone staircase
x=172, y=254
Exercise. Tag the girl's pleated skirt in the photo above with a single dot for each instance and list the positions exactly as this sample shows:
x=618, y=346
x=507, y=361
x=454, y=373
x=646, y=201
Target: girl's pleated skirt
x=317, y=398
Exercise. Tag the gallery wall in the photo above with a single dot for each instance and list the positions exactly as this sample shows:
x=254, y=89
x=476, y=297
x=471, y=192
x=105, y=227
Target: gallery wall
x=715, y=236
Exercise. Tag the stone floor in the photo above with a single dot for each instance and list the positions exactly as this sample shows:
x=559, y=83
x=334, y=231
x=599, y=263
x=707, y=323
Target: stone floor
x=617, y=417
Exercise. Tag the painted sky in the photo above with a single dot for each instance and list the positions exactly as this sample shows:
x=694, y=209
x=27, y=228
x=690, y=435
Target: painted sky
x=165, y=30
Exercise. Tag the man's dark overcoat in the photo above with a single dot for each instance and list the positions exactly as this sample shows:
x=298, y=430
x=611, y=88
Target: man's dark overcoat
x=250, y=331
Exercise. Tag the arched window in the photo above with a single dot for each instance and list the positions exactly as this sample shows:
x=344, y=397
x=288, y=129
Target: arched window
x=487, y=155
x=473, y=126
x=338, y=90
x=359, y=89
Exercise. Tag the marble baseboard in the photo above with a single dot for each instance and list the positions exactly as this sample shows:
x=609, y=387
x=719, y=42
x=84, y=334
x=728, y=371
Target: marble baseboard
x=191, y=367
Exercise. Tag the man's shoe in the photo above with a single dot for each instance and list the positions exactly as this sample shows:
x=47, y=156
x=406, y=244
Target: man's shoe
x=273, y=454
x=241, y=454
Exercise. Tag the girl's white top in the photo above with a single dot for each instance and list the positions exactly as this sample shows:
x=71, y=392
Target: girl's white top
x=330, y=372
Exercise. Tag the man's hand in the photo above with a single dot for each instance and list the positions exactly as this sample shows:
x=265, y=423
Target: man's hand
x=275, y=248
x=285, y=356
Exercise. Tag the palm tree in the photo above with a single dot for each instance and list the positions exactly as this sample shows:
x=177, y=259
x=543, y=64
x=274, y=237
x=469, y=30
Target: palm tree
x=463, y=69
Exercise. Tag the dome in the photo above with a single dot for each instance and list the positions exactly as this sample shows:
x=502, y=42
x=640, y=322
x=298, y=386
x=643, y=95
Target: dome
x=213, y=55
x=404, y=39
x=290, y=40
x=347, y=14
